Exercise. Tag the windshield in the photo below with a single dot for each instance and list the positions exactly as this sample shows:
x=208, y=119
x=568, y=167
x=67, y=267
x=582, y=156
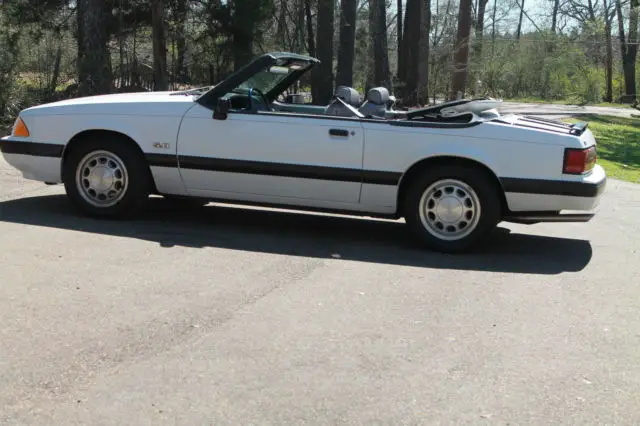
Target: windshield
x=266, y=80
x=268, y=74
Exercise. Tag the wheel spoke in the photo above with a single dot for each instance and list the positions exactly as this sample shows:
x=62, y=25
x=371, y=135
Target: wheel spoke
x=102, y=178
x=450, y=209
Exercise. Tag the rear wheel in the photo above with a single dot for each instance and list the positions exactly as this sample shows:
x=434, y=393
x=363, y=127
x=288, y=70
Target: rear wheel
x=451, y=208
x=106, y=178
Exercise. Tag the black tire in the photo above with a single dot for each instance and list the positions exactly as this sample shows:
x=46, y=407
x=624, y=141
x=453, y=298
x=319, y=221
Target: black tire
x=478, y=183
x=138, y=178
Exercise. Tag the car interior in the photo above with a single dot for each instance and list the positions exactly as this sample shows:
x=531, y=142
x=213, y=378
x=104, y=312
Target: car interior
x=347, y=102
x=379, y=104
x=263, y=87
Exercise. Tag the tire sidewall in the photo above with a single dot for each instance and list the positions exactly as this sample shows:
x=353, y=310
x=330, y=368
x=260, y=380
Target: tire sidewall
x=490, y=206
x=137, y=191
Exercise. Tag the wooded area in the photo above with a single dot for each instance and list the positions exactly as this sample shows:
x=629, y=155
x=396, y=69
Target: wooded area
x=423, y=50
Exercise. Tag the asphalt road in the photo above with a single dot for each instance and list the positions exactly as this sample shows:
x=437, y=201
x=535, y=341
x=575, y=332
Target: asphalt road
x=234, y=316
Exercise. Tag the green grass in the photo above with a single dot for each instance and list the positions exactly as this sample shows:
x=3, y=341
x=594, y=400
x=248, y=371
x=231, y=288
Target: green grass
x=618, y=141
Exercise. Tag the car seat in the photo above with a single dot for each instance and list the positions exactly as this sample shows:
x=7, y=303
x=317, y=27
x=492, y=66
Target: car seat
x=349, y=97
x=377, y=101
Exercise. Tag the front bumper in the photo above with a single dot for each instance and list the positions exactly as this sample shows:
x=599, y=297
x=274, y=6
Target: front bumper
x=35, y=160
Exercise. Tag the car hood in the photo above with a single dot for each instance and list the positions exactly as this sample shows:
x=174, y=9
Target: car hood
x=144, y=103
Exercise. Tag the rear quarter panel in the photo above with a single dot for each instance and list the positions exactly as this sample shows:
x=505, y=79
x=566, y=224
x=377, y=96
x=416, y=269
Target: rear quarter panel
x=508, y=152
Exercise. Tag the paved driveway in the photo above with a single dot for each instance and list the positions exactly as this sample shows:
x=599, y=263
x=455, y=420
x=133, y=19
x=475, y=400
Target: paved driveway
x=231, y=316
x=558, y=110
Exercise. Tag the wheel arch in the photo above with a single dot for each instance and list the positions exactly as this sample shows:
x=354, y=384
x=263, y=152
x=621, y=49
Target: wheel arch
x=442, y=160
x=110, y=137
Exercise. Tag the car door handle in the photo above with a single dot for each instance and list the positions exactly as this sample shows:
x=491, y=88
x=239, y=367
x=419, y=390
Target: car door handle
x=339, y=132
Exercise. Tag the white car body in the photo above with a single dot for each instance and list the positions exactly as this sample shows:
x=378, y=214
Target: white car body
x=293, y=159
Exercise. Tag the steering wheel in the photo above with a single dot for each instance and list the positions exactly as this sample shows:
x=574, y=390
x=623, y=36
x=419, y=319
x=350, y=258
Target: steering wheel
x=259, y=92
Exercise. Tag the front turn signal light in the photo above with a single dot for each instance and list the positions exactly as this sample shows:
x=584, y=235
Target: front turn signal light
x=20, y=129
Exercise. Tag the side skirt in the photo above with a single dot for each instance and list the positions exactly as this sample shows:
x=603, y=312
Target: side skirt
x=531, y=218
x=291, y=207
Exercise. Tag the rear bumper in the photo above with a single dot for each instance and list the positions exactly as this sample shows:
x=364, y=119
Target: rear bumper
x=588, y=186
x=581, y=193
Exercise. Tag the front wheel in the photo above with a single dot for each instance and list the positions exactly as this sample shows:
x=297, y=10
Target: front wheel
x=449, y=209
x=106, y=178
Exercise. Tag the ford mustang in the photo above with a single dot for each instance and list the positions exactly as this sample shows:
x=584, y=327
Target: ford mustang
x=453, y=170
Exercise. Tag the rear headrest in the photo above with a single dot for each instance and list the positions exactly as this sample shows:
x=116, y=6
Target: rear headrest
x=349, y=95
x=378, y=95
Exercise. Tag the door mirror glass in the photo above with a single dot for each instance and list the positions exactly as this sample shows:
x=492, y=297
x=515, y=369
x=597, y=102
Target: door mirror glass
x=221, y=110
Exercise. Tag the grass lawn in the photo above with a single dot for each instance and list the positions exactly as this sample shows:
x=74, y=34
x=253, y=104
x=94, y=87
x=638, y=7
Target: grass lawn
x=618, y=141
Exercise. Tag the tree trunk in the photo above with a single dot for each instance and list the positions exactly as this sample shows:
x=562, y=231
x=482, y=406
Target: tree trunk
x=461, y=53
x=300, y=25
x=378, y=28
x=160, y=79
x=322, y=75
x=632, y=51
x=608, y=69
x=549, y=45
x=94, y=62
x=346, y=49
x=628, y=49
x=243, y=26
x=411, y=51
x=629, y=70
x=554, y=15
x=80, y=7
x=56, y=71
x=121, y=44
x=281, y=29
x=311, y=45
x=423, y=53
x=493, y=28
x=399, y=31
x=482, y=7
x=519, y=30
x=181, y=68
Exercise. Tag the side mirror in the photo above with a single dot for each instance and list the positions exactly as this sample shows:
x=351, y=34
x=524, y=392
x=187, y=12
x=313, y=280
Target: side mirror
x=221, y=110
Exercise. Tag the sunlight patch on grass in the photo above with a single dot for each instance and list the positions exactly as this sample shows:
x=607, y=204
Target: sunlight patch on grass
x=618, y=140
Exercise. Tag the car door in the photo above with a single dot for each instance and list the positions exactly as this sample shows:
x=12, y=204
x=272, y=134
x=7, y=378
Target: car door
x=290, y=157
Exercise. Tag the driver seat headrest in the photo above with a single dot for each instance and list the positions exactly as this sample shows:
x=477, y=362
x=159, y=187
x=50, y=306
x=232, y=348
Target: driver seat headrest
x=349, y=95
x=378, y=96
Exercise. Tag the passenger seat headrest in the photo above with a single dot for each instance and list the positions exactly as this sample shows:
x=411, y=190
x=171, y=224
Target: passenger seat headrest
x=378, y=95
x=349, y=95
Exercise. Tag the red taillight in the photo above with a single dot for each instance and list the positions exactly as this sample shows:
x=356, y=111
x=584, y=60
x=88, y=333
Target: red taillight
x=579, y=161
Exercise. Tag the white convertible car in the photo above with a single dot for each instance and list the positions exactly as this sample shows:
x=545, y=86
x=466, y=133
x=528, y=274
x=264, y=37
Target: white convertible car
x=453, y=171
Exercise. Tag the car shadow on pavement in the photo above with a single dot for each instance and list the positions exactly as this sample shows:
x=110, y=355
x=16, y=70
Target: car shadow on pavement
x=308, y=235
